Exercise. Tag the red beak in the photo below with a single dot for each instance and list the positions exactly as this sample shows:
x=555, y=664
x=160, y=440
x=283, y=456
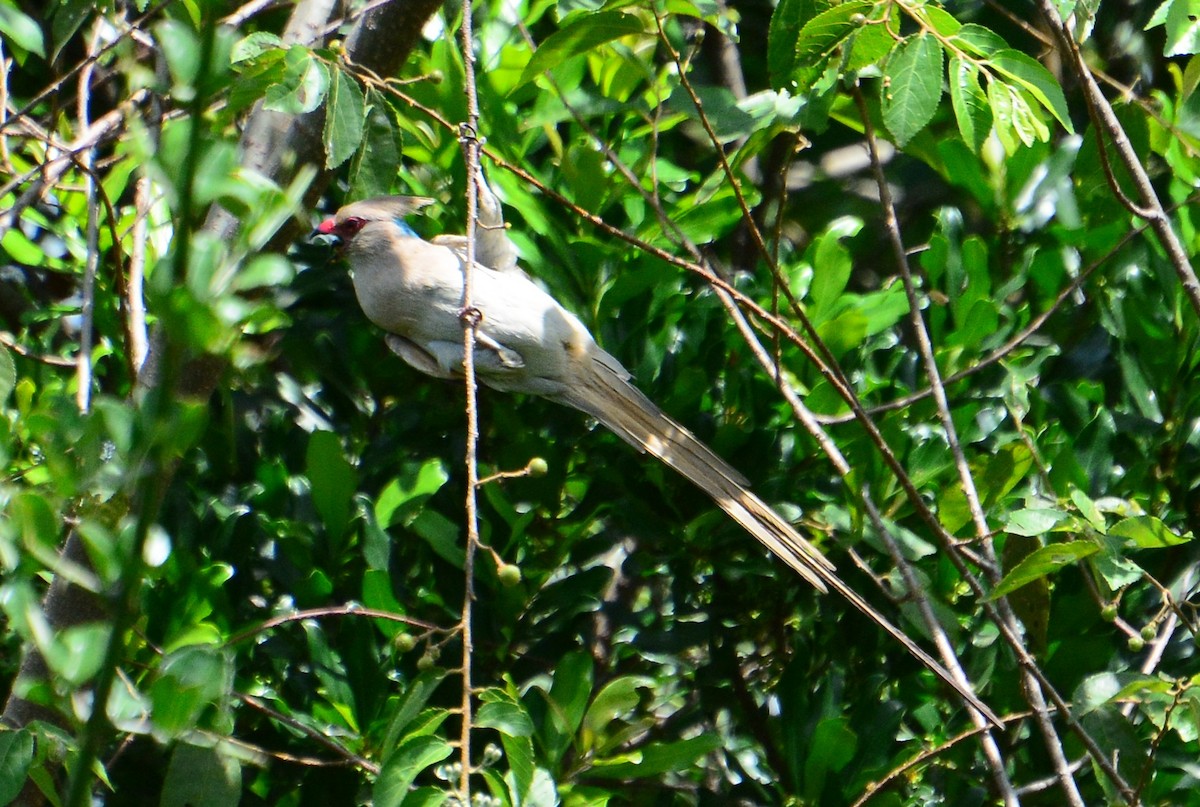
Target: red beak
x=327, y=226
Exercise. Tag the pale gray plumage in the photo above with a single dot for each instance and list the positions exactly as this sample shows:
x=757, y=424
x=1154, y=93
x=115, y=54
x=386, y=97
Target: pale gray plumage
x=527, y=342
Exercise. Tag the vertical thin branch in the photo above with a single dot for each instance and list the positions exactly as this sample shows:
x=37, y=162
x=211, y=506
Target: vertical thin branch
x=83, y=393
x=1105, y=121
x=135, y=302
x=469, y=137
x=991, y=749
x=942, y=402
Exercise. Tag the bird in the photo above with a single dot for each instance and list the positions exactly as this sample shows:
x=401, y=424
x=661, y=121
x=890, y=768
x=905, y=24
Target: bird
x=526, y=342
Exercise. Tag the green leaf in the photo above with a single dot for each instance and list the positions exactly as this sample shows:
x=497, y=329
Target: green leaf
x=970, y=103
x=181, y=49
x=505, y=717
x=615, y=699
x=580, y=36
x=268, y=269
x=401, y=768
x=831, y=268
x=16, y=752
x=305, y=82
x=658, y=758
x=1035, y=521
x=788, y=19
x=1037, y=80
x=1042, y=563
x=345, y=114
x=69, y=15
x=419, y=690
x=255, y=44
x=201, y=777
x=8, y=374
x=943, y=22
x=1144, y=397
x=869, y=45
x=21, y=30
x=441, y=534
x=1087, y=508
x=188, y=681
x=1148, y=532
x=822, y=35
x=333, y=480
x=1001, y=100
x=521, y=763
x=912, y=86
x=833, y=746
x=376, y=541
x=82, y=649
x=400, y=502
x=374, y=167
x=572, y=688
x=1183, y=27
x=978, y=40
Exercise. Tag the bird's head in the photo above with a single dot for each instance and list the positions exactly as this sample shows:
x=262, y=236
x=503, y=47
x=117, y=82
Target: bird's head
x=351, y=218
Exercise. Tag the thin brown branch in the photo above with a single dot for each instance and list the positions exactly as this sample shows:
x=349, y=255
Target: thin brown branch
x=469, y=138
x=350, y=609
x=895, y=774
x=1106, y=123
x=319, y=737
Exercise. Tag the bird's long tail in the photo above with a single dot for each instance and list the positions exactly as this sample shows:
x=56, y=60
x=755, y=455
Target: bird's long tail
x=633, y=417
x=609, y=397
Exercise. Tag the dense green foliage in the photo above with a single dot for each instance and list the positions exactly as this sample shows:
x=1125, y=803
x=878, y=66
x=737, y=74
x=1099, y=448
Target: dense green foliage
x=272, y=524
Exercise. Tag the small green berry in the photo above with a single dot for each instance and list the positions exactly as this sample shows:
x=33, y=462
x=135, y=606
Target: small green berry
x=425, y=662
x=1136, y=644
x=1109, y=612
x=1149, y=632
x=404, y=642
x=509, y=574
x=537, y=467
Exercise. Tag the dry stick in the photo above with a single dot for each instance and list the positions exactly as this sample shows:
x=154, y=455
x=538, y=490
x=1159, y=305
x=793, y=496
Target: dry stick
x=83, y=392
x=991, y=749
x=312, y=733
x=469, y=137
x=982, y=530
x=328, y=611
x=1105, y=121
x=135, y=301
x=100, y=131
x=923, y=756
x=54, y=87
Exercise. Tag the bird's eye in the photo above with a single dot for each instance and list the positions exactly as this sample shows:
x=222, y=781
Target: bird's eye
x=352, y=225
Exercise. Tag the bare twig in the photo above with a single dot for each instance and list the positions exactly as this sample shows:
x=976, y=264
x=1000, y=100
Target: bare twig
x=469, y=137
x=135, y=301
x=924, y=756
x=83, y=391
x=1105, y=121
x=319, y=737
x=351, y=610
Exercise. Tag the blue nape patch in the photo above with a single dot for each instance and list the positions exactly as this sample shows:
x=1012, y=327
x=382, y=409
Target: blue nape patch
x=404, y=228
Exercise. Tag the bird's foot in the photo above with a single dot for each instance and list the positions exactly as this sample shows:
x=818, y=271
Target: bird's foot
x=470, y=316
